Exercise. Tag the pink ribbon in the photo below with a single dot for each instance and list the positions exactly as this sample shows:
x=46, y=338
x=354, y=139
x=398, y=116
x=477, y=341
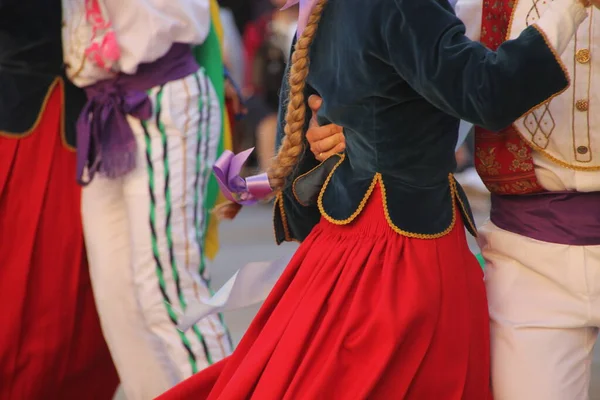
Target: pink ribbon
x=245, y=191
x=306, y=7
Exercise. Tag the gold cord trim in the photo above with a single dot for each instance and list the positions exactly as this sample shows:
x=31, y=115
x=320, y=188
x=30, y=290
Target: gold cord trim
x=533, y=145
x=558, y=60
x=35, y=126
x=560, y=162
x=511, y=19
x=453, y=195
x=63, y=123
x=38, y=118
x=363, y=203
x=556, y=56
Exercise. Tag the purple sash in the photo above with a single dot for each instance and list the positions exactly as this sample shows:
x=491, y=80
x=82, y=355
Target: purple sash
x=569, y=218
x=105, y=141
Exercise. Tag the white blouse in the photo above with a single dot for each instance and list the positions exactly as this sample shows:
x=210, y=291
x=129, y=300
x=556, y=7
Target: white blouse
x=104, y=37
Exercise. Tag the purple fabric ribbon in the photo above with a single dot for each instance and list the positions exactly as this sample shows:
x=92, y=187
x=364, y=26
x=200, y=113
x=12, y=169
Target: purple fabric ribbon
x=103, y=133
x=105, y=141
x=306, y=7
x=568, y=218
x=245, y=191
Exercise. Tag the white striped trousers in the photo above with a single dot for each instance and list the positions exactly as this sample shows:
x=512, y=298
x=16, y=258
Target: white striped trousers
x=144, y=234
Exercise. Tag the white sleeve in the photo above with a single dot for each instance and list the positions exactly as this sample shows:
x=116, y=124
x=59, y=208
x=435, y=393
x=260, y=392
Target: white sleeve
x=146, y=29
x=470, y=13
x=560, y=21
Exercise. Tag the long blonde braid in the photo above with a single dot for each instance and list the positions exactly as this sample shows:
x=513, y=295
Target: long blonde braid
x=292, y=145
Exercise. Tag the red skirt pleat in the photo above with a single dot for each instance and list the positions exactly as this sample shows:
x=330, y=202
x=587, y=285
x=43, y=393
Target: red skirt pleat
x=51, y=344
x=362, y=312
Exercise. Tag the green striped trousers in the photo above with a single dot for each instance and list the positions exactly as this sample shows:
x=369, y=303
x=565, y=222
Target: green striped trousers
x=144, y=235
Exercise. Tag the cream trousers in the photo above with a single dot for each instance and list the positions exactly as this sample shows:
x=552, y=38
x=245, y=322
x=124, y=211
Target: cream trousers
x=144, y=234
x=544, y=302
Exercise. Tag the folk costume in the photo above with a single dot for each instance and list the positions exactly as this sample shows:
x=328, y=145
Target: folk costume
x=51, y=344
x=542, y=243
x=148, y=136
x=383, y=299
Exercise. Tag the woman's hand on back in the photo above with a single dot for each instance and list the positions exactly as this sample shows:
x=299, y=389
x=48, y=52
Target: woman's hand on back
x=326, y=140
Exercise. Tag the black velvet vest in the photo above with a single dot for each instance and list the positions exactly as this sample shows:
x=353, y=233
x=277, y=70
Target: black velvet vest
x=398, y=75
x=30, y=61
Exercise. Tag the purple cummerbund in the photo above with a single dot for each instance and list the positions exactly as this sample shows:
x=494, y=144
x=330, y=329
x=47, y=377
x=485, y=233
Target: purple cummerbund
x=105, y=140
x=569, y=218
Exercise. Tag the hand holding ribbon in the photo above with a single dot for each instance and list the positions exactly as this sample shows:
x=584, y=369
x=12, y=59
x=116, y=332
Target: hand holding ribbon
x=244, y=191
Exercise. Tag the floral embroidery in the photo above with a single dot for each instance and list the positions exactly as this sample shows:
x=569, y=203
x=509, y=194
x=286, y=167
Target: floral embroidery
x=525, y=186
x=103, y=50
x=487, y=163
x=517, y=187
x=522, y=157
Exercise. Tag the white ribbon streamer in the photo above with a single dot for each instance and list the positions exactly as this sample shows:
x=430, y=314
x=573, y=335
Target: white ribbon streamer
x=248, y=286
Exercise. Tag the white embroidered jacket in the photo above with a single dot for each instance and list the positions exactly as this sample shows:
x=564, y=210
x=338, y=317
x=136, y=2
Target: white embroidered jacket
x=565, y=132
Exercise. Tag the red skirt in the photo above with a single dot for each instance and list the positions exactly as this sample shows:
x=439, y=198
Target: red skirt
x=51, y=345
x=362, y=312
